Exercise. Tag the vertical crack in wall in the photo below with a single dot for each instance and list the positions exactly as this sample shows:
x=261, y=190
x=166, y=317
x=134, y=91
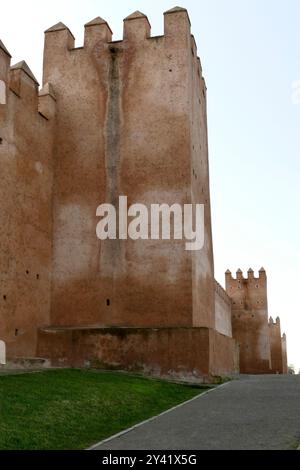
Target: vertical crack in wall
x=113, y=127
x=110, y=249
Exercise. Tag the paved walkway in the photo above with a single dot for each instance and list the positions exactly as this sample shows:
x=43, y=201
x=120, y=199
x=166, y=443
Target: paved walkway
x=254, y=412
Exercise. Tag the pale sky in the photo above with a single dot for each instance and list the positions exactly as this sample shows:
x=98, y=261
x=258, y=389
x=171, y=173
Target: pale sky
x=249, y=51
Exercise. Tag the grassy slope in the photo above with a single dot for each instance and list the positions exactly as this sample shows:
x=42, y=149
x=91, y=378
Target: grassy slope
x=72, y=409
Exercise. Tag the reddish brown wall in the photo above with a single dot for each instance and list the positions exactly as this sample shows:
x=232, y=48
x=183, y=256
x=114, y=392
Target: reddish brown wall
x=250, y=320
x=128, y=114
x=284, y=354
x=222, y=311
x=161, y=352
x=26, y=211
x=130, y=120
x=224, y=355
x=276, y=346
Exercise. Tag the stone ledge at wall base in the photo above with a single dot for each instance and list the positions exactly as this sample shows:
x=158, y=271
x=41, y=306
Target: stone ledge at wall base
x=190, y=354
x=26, y=363
x=261, y=368
x=277, y=372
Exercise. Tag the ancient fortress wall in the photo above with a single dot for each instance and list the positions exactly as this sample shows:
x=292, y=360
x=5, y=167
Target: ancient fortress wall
x=222, y=311
x=131, y=120
x=26, y=140
x=250, y=320
x=276, y=346
x=284, y=354
x=117, y=118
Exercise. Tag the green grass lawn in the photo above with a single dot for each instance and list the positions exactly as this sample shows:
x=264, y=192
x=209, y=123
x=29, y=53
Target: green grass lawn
x=73, y=409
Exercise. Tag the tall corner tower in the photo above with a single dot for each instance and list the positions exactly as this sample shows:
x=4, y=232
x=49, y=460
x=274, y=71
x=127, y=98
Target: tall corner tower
x=131, y=120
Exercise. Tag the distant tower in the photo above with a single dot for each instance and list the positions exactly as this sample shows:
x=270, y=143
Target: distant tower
x=284, y=354
x=276, y=346
x=250, y=320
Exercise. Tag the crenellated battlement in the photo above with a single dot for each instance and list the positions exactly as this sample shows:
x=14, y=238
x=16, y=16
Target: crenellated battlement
x=3, y=49
x=247, y=293
x=275, y=323
x=19, y=80
x=136, y=28
x=96, y=30
x=22, y=81
x=98, y=37
x=26, y=167
x=5, y=59
x=249, y=277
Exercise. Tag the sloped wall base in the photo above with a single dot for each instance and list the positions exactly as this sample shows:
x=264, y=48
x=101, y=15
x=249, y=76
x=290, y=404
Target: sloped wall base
x=179, y=353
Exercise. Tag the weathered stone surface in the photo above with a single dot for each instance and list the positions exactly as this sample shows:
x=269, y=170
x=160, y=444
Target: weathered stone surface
x=58, y=27
x=181, y=353
x=115, y=118
x=26, y=168
x=222, y=311
x=276, y=346
x=250, y=320
x=121, y=126
x=23, y=66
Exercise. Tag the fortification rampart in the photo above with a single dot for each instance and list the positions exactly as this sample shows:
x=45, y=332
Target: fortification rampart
x=250, y=319
x=26, y=139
